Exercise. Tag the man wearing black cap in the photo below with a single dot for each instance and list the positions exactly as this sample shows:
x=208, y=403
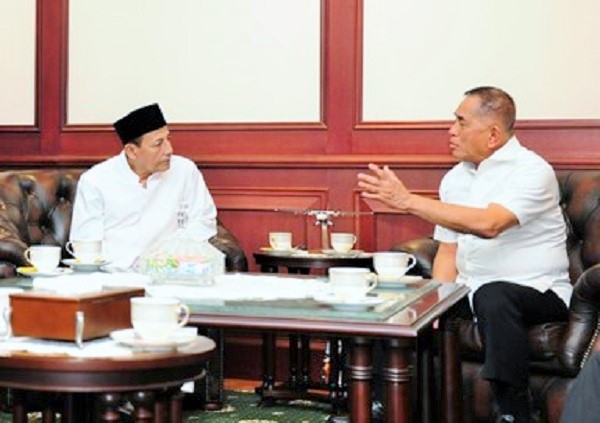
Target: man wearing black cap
x=131, y=200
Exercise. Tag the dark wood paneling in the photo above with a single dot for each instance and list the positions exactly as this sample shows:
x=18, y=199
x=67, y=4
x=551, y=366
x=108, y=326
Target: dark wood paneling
x=253, y=169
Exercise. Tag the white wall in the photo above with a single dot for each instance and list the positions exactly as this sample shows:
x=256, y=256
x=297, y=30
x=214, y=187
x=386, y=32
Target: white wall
x=260, y=60
x=17, y=69
x=202, y=60
x=420, y=56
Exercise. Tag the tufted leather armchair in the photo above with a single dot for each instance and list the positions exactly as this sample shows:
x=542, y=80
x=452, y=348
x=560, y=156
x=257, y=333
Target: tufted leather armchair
x=558, y=350
x=36, y=206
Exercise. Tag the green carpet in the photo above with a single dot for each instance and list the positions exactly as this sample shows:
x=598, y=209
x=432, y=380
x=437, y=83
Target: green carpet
x=242, y=407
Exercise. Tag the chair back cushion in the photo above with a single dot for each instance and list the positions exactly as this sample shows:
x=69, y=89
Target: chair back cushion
x=580, y=201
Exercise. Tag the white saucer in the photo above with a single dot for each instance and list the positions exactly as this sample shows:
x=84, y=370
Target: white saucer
x=178, y=338
x=348, y=304
x=387, y=282
x=350, y=253
x=79, y=266
x=272, y=251
x=31, y=271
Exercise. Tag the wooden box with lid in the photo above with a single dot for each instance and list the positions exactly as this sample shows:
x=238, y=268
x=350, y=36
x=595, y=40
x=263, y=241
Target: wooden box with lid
x=49, y=315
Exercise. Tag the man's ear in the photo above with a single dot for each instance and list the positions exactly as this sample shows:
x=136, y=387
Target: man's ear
x=495, y=139
x=130, y=151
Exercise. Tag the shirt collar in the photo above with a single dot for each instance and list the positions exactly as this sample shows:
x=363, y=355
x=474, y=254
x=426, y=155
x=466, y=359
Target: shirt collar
x=130, y=175
x=507, y=151
x=504, y=153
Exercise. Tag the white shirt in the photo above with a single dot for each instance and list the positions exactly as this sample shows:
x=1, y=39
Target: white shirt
x=533, y=253
x=112, y=205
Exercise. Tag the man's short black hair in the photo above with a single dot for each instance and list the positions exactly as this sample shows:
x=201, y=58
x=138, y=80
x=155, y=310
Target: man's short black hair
x=495, y=101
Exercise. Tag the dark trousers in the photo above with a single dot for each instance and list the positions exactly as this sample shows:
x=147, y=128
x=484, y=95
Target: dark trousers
x=582, y=405
x=504, y=313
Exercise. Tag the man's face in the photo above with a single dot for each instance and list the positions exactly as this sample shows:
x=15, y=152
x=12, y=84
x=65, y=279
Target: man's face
x=153, y=154
x=470, y=132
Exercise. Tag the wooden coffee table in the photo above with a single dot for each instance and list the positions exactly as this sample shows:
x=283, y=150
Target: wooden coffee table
x=94, y=388
x=407, y=332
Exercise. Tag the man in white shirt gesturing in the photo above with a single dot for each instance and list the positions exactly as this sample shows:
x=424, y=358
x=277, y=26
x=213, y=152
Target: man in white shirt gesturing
x=501, y=233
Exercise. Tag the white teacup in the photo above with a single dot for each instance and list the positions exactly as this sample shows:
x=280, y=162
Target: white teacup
x=5, y=309
x=351, y=283
x=86, y=251
x=280, y=240
x=157, y=318
x=393, y=265
x=342, y=242
x=44, y=258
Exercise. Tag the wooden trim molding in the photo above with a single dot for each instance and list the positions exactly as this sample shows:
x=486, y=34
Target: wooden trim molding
x=361, y=124
x=520, y=124
x=240, y=162
x=212, y=126
x=237, y=126
x=270, y=199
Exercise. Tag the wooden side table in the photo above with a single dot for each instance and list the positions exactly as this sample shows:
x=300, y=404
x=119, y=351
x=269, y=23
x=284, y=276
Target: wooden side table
x=151, y=381
x=301, y=263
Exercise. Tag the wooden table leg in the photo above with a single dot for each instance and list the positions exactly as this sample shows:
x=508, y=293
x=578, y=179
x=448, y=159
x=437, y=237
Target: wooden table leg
x=208, y=391
x=19, y=414
x=305, y=360
x=109, y=404
x=335, y=380
x=451, y=378
x=293, y=366
x=143, y=406
x=175, y=407
x=268, y=269
x=360, y=373
x=426, y=406
x=160, y=406
x=268, y=363
x=48, y=413
x=396, y=376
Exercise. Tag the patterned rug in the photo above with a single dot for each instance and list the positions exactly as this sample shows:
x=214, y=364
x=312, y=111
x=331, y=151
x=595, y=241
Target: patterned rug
x=242, y=407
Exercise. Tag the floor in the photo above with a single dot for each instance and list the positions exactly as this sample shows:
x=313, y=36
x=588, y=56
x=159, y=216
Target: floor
x=242, y=406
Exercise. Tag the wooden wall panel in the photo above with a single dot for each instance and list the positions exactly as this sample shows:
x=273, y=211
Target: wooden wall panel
x=255, y=168
x=252, y=213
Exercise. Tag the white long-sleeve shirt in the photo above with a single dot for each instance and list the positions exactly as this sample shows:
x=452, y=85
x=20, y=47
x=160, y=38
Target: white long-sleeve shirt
x=112, y=205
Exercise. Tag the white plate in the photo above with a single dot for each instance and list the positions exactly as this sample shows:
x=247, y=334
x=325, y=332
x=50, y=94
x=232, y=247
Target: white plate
x=179, y=338
x=346, y=304
x=273, y=252
x=31, y=271
x=84, y=267
x=399, y=281
x=350, y=253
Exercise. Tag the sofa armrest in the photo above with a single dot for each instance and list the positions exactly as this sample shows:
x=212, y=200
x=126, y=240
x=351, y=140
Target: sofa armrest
x=424, y=250
x=11, y=249
x=235, y=258
x=583, y=320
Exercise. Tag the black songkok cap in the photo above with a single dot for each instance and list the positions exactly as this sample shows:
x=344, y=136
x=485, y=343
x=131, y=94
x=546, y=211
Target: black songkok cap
x=139, y=122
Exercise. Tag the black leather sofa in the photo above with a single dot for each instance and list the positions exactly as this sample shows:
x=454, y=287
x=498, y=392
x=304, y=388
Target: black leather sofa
x=36, y=207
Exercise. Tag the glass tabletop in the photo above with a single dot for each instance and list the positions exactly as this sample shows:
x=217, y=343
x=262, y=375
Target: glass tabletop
x=391, y=302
